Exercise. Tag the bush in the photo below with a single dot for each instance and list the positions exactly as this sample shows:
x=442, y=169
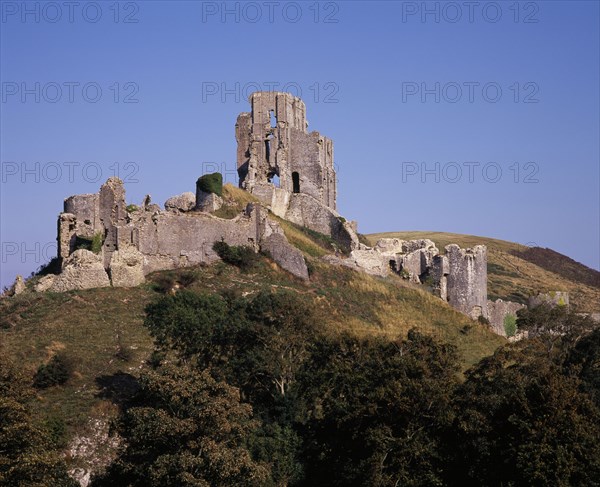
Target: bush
x=97, y=242
x=52, y=267
x=211, y=183
x=164, y=283
x=131, y=208
x=56, y=430
x=187, y=278
x=240, y=256
x=93, y=244
x=56, y=372
x=510, y=325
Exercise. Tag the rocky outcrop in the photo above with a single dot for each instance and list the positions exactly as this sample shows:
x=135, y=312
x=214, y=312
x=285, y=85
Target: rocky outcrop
x=182, y=202
x=306, y=211
x=286, y=255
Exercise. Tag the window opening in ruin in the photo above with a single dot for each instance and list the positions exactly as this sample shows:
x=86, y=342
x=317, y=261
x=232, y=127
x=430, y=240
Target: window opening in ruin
x=268, y=146
x=267, y=149
x=273, y=177
x=273, y=119
x=296, y=182
x=393, y=266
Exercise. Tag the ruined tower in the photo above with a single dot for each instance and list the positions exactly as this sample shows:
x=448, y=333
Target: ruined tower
x=274, y=143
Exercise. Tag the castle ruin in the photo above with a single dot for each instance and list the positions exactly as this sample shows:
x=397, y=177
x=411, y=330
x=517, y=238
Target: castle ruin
x=291, y=173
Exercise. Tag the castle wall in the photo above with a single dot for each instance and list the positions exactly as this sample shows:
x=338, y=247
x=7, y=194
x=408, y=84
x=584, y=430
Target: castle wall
x=467, y=279
x=498, y=310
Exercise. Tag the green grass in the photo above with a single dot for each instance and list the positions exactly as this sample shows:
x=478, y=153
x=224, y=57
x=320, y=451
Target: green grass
x=86, y=325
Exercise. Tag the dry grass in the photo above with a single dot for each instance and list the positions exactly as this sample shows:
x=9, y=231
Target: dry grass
x=235, y=201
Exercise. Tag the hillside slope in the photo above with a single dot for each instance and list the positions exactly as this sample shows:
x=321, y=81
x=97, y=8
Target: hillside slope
x=102, y=329
x=515, y=272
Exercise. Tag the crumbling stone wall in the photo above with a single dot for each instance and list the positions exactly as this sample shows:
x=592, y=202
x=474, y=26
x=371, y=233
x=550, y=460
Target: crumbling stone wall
x=552, y=298
x=147, y=239
x=273, y=140
x=458, y=277
x=467, y=279
x=498, y=310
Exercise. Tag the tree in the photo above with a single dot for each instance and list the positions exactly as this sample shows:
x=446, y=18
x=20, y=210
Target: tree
x=274, y=343
x=556, y=327
x=521, y=421
x=583, y=360
x=26, y=455
x=376, y=410
x=185, y=429
x=187, y=322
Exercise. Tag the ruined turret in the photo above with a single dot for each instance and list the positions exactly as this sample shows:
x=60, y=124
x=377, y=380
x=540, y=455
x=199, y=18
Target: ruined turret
x=467, y=279
x=274, y=143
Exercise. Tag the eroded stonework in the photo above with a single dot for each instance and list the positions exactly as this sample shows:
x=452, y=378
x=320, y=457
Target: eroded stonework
x=103, y=241
x=288, y=168
x=139, y=240
x=498, y=311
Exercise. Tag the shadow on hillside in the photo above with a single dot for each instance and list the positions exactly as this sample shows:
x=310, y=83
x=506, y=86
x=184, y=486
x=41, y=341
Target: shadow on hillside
x=119, y=388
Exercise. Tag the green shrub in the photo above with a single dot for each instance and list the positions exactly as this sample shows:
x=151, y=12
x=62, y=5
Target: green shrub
x=164, y=283
x=131, y=208
x=97, y=242
x=52, y=267
x=240, y=256
x=188, y=277
x=56, y=372
x=211, y=183
x=93, y=244
x=56, y=429
x=510, y=325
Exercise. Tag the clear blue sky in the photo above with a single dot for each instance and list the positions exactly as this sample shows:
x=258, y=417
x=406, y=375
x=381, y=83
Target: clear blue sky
x=369, y=72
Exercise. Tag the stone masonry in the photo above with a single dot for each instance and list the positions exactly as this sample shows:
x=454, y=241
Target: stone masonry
x=291, y=172
x=274, y=144
x=141, y=240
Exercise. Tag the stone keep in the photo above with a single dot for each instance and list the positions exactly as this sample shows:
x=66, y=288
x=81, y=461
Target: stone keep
x=273, y=140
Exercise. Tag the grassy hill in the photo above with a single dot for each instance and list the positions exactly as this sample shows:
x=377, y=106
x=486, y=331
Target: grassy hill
x=102, y=329
x=515, y=272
